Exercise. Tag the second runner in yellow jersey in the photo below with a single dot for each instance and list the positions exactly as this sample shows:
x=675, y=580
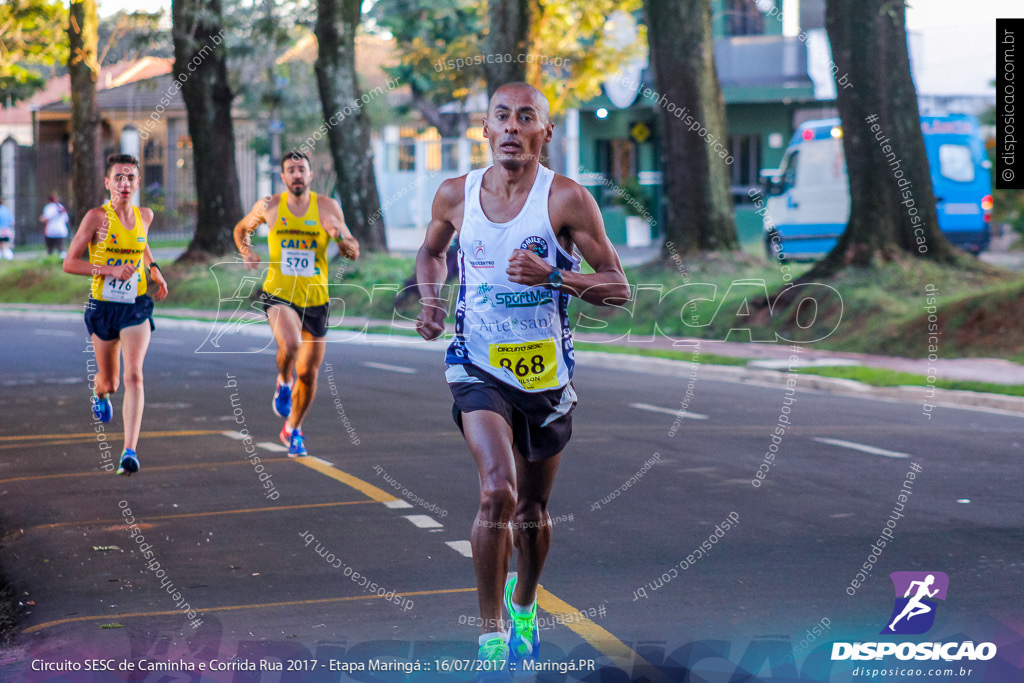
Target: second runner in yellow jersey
x=298, y=256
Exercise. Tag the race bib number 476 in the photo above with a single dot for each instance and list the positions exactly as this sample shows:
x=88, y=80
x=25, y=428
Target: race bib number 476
x=534, y=363
x=121, y=291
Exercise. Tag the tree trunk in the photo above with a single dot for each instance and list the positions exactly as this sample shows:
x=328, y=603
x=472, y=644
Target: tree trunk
x=84, y=68
x=507, y=38
x=200, y=67
x=694, y=172
x=892, y=205
x=342, y=104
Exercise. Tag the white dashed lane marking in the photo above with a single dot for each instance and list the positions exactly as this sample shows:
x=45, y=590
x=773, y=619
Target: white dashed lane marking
x=424, y=521
x=389, y=368
x=854, y=446
x=667, y=411
x=461, y=547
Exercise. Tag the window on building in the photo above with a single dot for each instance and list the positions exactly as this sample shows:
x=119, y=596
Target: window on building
x=743, y=18
x=153, y=168
x=449, y=155
x=407, y=155
x=745, y=170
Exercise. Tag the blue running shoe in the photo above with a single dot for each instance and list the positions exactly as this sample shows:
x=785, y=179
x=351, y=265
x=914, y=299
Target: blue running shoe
x=129, y=463
x=523, y=637
x=282, y=400
x=102, y=409
x=296, y=447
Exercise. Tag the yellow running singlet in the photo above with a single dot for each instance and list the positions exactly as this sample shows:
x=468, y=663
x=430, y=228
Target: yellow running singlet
x=121, y=245
x=298, y=256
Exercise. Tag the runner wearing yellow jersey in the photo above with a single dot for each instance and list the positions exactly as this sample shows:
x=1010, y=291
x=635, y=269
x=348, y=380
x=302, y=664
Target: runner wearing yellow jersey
x=115, y=237
x=294, y=294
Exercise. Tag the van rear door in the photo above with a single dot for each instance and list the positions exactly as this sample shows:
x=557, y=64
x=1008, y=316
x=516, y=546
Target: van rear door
x=960, y=179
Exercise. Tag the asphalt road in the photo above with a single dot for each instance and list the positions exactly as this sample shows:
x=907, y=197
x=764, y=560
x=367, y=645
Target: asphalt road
x=281, y=560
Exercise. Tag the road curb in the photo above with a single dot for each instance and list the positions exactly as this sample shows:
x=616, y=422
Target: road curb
x=925, y=396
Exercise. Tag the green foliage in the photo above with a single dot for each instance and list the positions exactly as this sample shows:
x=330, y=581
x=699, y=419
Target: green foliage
x=34, y=44
x=571, y=56
x=133, y=35
x=574, y=30
x=429, y=32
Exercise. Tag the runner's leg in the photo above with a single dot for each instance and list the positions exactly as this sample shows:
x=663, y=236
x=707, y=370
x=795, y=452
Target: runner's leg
x=134, y=344
x=307, y=367
x=108, y=365
x=532, y=527
x=287, y=327
x=490, y=441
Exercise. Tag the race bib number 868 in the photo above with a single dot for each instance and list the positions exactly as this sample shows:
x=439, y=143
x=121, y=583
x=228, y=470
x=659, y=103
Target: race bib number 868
x=533, y=363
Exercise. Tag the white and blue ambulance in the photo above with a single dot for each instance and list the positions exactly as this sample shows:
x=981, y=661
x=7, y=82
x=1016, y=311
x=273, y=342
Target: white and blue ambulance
x=808, y=201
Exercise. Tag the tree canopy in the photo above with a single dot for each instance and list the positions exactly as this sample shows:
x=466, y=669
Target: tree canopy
x=34, y=45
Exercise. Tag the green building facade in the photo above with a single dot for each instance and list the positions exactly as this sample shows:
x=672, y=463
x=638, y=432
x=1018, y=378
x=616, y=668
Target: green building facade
x=762, y=63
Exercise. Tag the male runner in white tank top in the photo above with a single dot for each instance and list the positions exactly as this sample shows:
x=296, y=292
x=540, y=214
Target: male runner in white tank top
x=510, y=363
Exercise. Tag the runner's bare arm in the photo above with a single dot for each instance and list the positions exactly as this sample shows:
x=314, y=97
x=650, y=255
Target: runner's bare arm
x=574, y=210
x=431, y=270
x=92, y=222
x=244, y=229
x=333, y=221
x=157, y=275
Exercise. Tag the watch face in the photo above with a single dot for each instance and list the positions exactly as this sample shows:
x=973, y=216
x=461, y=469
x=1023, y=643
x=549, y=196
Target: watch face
x=555, y=278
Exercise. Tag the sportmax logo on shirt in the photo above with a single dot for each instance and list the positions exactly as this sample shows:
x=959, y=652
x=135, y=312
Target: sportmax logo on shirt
x=524, y=299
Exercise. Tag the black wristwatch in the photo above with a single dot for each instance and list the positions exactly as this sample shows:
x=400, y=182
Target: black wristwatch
x=554, y=279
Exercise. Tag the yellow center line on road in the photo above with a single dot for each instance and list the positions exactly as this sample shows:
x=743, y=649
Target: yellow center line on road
x=213, y=513
x=599, y=638
x=158, y=468
x=37, y=444
x=379, y=495
x=92, y=435
x=109, y=618
x=602, y=640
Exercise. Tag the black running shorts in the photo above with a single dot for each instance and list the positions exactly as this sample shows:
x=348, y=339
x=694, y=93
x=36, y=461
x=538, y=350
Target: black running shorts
x=106, y=319
x=541, y=422
x=314, y=318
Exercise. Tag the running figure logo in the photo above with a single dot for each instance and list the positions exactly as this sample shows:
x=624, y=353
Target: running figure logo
x=914, y=612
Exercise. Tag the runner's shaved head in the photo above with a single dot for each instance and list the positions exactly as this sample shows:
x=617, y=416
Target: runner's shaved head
x=539, y=101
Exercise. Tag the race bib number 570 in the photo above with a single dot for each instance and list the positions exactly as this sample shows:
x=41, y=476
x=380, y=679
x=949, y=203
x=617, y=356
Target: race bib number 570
x=534, y=363
x=298, y=262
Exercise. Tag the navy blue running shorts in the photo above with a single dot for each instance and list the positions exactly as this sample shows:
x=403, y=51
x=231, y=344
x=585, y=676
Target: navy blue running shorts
x=541, y=422
x=106, y=319
x=314, y=318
